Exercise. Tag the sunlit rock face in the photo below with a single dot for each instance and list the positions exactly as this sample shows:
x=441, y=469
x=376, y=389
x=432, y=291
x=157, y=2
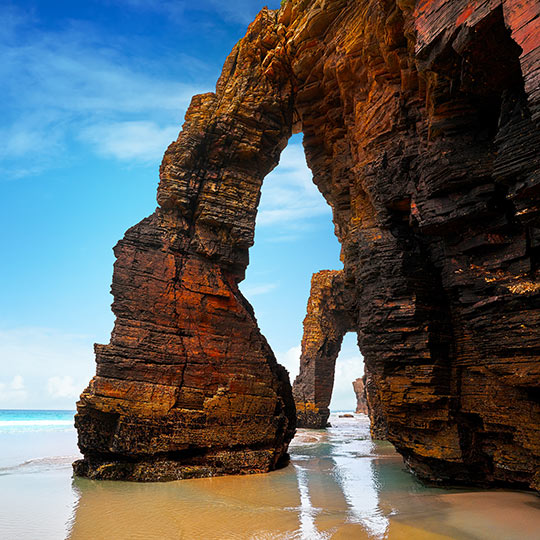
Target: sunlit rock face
x=420, y=125
x=188, y=386
x=328, y=319
x=360, y=393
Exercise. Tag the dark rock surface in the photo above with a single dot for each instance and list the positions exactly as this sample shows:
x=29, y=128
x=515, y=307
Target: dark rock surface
x=421, y=128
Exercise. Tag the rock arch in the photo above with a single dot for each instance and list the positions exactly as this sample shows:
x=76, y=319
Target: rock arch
x=330, y=315
x=188, y=386
x=327, y=321
x=420, y=125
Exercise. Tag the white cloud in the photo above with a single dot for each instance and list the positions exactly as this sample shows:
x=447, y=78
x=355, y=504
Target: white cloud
x=143, y=141
x=289, y=196
x=77, y=69
x=57, y=85
x=13, y=393
x=257, y=289
x=349, y=366
x=28, y=355
x=347, y=370
x=63, y=387
x=291, y=360
x=17, y=383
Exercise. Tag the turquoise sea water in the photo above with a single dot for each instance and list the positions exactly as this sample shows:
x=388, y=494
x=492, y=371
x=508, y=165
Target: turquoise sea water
x=12, y=421
x=340, y=484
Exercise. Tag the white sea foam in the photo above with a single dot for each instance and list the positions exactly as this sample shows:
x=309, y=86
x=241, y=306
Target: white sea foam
x=13, y=423
x=39, y=464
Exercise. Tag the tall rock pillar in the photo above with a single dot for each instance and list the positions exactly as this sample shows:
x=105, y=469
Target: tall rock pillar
x=188, y=386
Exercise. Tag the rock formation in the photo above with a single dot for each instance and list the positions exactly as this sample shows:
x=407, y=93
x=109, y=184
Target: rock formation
x=360, y=392
x=378, y=426
x=330, y=315
x=326, y=323
x=188, y=386
x=420, y=124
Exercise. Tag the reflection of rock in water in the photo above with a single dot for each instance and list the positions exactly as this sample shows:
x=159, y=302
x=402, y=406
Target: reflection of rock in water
x=340, y=484
x=420, y=125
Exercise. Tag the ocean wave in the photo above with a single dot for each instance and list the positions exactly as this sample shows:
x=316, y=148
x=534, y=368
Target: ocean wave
x=15, y=423
x=30, y=425
x=39, y=464
x=10, y=423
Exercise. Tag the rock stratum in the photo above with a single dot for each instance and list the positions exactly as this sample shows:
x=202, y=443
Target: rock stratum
x=360, y=393
x=421, y=128
x=327, y=321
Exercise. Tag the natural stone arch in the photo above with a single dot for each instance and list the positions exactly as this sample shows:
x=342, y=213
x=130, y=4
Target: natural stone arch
x=327, y=321
x=420, y=125
x=188, y=386
x=330, y=315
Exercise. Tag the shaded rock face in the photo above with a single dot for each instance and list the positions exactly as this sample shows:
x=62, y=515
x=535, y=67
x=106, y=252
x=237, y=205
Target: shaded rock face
x=360, y=393
x=330, y=315
x=378, y=426
x=420, y=125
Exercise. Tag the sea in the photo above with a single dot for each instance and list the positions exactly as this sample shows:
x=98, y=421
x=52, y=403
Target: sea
x=340, y=484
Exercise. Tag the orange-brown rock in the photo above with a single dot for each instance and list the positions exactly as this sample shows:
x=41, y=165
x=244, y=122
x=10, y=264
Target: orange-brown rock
x=360, y=393
x=188, y=386
x=327, y=321
x=420, y=124
x=330, y=315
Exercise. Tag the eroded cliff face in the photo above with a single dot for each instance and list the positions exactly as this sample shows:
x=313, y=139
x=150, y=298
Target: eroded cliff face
x=329, y=317
x=331, y=313
x=420, y=125
x=360, y=393
x=188, y=386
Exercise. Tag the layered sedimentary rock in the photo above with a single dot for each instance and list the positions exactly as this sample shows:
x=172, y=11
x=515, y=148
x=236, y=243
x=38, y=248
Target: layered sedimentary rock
x=420, y=124
x=330, y=315
x=378, y=426
x=188, y=386
x=360, y=393
x=326, y=323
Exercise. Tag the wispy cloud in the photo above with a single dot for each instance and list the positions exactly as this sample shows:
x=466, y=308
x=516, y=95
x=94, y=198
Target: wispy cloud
x=289, y=196
x=59, y=85
x=143, y=141
x=291, y=360
x=240, y=11
x=13, y=393
x=348, y=369
x=349, y=366
x=32, y=359
x=256, y=289
x=173, y=9
x=63, y=387
x=235, y=11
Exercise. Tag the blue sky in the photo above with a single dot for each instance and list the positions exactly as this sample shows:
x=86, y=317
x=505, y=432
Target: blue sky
x=92, y=93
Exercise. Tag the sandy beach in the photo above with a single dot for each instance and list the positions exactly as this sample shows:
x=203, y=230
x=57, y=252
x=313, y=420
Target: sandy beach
x=340, y=484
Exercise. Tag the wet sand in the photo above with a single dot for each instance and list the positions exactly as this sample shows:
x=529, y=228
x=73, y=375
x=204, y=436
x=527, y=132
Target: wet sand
x=339, y=485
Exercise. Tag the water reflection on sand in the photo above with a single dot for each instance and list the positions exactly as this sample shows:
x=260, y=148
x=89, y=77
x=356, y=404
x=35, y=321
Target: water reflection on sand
x=340, y=484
